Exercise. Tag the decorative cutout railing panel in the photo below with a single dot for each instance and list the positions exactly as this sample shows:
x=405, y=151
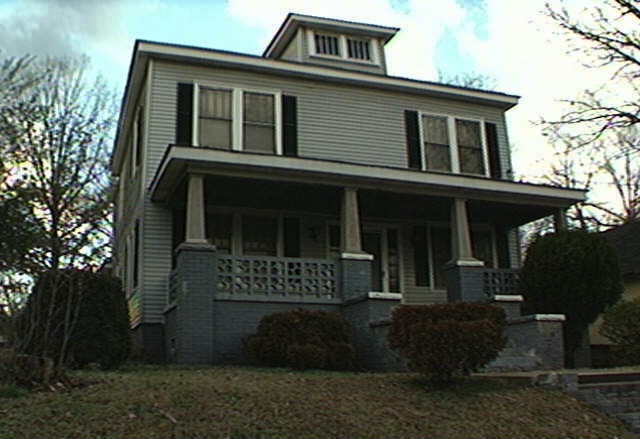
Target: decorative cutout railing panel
x=500, y=281
x=272, y=276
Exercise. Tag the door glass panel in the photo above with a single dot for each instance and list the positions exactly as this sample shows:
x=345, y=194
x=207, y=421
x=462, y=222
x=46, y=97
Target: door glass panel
x=482, y=248
x=393, y=260
x=441, y=251
x=371, y=245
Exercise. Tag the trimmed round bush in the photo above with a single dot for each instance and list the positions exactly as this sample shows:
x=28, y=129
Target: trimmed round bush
x=444, y=340
x=302, y=339
x=621, y=325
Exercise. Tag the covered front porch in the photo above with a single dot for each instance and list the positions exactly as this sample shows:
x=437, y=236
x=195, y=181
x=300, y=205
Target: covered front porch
x=250, y=240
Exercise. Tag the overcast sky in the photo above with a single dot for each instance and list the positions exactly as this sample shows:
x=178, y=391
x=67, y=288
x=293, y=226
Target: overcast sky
x=508, y=40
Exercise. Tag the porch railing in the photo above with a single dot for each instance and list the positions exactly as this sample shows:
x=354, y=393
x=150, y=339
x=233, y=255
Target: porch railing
x=277, y=277
x=500, y=281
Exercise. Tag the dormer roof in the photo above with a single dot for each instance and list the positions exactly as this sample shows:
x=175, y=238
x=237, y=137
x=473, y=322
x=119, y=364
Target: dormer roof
x=288, y=29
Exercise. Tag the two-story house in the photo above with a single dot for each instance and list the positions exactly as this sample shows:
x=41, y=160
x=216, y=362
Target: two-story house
x=309, y=177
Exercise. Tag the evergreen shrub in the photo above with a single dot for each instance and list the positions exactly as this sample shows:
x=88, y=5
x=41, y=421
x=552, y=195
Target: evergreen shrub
x=444, y=340
x=302, y=339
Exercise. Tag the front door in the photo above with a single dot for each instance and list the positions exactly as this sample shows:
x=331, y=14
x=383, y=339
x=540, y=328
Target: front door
x=382, y=243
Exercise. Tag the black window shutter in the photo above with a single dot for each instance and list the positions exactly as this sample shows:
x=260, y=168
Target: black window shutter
x=413, y=138
x=491, y=132
x=291, y=237
x=184, y=115
x=289, y=126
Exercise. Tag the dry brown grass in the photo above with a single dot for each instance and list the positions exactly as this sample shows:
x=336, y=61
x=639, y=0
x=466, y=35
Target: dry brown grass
x=246, y=402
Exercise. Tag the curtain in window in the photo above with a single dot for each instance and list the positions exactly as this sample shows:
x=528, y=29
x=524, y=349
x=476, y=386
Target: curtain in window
x=215, y=118
x=469, y=147
x=436, y=143
x=259, y=123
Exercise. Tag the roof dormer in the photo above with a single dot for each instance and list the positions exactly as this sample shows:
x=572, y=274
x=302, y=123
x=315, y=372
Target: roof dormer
x=331, y=43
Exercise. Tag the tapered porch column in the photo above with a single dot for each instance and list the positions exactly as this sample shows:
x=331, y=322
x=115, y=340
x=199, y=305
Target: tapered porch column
x=560, y=220
x=195, y=222
x=351, y=237
x=196, y=271
x=355, y=278
x=461, y=237
x=464, y=272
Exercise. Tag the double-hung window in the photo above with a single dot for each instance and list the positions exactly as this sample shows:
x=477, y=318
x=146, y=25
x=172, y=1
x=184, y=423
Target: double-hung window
x=446, y=143
x=232, y=118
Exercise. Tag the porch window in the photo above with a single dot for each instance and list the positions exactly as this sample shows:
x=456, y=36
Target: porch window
x=215, y=118
x=259, y=236
x=259, y=122
x=220, y=231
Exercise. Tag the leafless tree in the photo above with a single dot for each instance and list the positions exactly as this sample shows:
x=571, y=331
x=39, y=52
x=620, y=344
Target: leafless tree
x=603, y=36
x=59, y=134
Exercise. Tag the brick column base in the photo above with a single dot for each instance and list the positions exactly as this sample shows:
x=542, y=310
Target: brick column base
x=194, y=318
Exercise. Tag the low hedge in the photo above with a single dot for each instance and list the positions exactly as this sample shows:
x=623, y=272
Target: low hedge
x=444, y=340
x=302, y=339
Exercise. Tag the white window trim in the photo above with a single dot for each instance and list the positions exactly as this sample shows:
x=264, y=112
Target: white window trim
x=342, y=47
x=453, y=142
x=237, y=120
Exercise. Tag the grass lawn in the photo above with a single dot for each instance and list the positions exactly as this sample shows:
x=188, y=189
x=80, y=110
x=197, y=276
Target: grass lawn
x=146, y=401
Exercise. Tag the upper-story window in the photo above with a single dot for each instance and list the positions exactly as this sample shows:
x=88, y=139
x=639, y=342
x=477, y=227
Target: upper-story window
x=446, y=143
x=238, y=119
x=224, y=117
x=326, y=44
x=358, y=49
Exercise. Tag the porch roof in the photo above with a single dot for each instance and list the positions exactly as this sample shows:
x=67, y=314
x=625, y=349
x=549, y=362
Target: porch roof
x=180, y=160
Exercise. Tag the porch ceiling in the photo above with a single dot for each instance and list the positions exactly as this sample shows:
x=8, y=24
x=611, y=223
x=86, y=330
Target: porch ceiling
x=413, y=191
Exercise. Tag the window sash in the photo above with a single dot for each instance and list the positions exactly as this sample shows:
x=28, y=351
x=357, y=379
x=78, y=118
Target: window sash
x=215, y=124
x=469, y=140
